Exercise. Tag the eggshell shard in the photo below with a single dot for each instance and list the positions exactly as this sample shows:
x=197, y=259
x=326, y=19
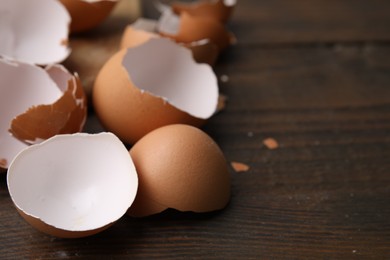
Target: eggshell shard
x=155, y=84
x=66, y=115
x=220, y=10
x=222, y=100
x=187, y=28
x=73, y=185
x=37, y=105
x=240, y=167
x=203, y=51
x=34, y=31
x=87, y=14
x=184, y=169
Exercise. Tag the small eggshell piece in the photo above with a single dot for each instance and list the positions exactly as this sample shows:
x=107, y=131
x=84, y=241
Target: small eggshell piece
x=180, y=167
x=240, y=167
x=271, y=143
x=73, y=185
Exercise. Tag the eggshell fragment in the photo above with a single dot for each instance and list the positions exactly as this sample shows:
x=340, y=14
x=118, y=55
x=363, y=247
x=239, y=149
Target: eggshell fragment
x=36, y=104
x=271, y=143
x=220, y=10
x=203, y=51
x=155, y=84
x=187, y=28
x=222, y=100
x=240, y=167
x=180, y=167
x=73, y=185
x=87, y=14
x=34, y=31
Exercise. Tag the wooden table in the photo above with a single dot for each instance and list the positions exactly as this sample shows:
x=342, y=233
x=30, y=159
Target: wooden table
x=315, y=76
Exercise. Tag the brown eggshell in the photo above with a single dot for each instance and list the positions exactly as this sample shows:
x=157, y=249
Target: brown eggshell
x=115, y=97
x=130, y=111
x=220, y=10
x=73, y=185
x=134, y=35
x=41, y=122
x=144, y=206
x=37, y=103
x=87, y=14
x=188, y=28
x=50, y=230
x=180, y=167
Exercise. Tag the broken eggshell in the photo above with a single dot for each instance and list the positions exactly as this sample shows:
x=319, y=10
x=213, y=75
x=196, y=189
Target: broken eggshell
x=34, y=31
x=87, y=14
x=73, y=185
x=36, y=104
x=154, y=84
x=220, y=10
x=143, y=30
x=179, y=167
x=186, y=28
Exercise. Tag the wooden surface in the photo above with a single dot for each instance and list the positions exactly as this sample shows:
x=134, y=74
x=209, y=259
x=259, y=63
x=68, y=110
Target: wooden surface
x=314, y=75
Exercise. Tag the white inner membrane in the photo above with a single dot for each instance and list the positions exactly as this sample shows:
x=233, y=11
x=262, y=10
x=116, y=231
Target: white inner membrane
x=167, y=70
x=74, y=182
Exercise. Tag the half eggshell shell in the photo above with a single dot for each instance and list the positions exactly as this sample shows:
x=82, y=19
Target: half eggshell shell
x=34, y=31
x=155, y=84
x=36, y=104
x=73, y=185
x=87, y=14
x=179, y=167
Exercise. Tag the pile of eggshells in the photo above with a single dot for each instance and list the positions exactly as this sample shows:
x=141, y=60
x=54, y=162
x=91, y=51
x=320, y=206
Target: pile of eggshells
x=153, y=95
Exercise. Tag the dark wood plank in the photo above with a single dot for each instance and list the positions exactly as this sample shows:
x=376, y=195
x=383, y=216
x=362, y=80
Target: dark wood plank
x=314, y=21
x=324, y=193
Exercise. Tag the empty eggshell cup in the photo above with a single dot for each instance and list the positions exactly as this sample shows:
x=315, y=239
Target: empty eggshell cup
x=73, y=185
x=152, y=85
x=179, y=167
x=87, y=14
x=36, y=104
x=34, y=31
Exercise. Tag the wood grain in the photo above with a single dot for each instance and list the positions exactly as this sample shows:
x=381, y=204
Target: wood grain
x=313, y=75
